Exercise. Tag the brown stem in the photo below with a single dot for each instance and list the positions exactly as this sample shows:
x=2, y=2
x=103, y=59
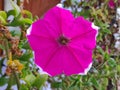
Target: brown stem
x=18, y=2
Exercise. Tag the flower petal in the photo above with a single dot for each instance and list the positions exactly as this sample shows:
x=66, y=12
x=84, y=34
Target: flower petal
x=58, y=18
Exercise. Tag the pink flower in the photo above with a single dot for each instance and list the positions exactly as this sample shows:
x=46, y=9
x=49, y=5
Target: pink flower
x=111, y=4
x=62, y=43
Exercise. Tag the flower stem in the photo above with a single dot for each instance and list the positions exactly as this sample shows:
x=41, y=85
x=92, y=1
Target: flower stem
x=9, y=82
x=17, y=79
x=7, y=55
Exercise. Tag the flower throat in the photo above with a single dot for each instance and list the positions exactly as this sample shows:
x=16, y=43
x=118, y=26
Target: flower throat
x=63, y=40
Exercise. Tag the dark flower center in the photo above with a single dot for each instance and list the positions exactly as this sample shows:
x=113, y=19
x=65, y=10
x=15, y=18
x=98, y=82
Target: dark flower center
x=63, y=40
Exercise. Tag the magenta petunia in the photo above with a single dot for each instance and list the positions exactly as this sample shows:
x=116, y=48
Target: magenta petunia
x=62, y=43
x=111, y=4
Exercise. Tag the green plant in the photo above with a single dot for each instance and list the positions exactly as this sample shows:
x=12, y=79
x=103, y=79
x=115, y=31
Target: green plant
x=105, y=71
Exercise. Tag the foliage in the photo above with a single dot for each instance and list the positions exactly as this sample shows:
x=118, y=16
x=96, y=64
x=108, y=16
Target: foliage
x=105, y=71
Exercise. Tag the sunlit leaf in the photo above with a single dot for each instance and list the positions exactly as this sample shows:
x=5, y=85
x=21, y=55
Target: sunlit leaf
x=3, y=14
x=30, y=79
x=3, y=17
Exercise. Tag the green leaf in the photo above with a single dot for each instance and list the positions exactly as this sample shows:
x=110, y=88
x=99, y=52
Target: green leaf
x=21, y=21
x=74, y=83
x=16, y=7
x=15, y=23
x=94, y=82
x=105, y=81
x=3, y=81
x=85, y=13
x=3, y=17
x=112, y=63
x=118, y=68
x=11, y=12
x=106, y=56
x=26, y=56
x=56, y=85
x=40, y=80
x=26, y=45
x=3, y=14
x=30, y=78
x=2, y=20
x=27, y=21
x=107, y=31
x=100, y=50
x=23, y=87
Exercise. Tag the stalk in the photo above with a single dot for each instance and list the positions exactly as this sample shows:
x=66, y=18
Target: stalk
x=17, y=79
